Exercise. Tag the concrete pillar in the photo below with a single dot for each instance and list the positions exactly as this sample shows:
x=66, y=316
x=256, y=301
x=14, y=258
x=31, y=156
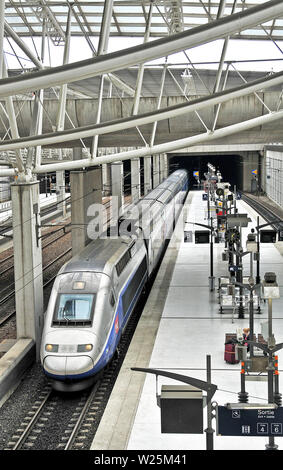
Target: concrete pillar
x=249, y=162
x=263, y=170
x=86, y=189
x=163, y=167
x=27, y=261
x=156, y=171
x=147, y=165
x=135, y=180
x=77, y=153
x=166, y=166
x=60, y=191
x=106, y=179
x=117, y=189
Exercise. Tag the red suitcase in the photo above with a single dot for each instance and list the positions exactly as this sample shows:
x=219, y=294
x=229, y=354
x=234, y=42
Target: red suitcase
x=230, y=354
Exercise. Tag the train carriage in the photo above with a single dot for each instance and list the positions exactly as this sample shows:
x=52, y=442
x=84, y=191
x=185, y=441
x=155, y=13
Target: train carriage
x=95, y=292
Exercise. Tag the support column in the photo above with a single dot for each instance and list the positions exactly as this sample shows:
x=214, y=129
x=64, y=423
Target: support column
x=27, y=261
x=156, y=169
x=250, y=163
x=166, y=165
x=135, y=180
x=117, y=203
x=147, y=165
x=86, y=189
x=163, y=167
x=77, y=153
x=106, y=179
x=60, y=192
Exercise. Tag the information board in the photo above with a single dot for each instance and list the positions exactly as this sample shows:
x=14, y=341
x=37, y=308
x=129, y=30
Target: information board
x=249, y=422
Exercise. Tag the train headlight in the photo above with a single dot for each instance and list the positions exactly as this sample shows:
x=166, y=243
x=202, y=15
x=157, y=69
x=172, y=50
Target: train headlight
x=84, y=347
x=51, y=347
x=78, y=285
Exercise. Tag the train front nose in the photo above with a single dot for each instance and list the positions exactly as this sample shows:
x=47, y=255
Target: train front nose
x=69, y=359
x=67, y=366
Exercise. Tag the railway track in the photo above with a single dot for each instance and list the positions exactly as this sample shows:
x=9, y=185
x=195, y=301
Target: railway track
x=6, y=228
x=267, y=211
x=11, y=294
x=44, y=237
x=70, y=418
x=61, y=421
x=11, y=257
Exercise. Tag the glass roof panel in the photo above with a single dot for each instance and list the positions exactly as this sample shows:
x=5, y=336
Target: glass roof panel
x=129, y=16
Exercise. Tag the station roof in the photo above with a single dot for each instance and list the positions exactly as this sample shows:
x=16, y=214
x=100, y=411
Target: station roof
x=129, y=17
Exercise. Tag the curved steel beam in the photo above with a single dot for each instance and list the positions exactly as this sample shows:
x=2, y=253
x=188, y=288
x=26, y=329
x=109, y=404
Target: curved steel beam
x=156, y=149
x=203, y=34
x=142, y=119
x=166, y=147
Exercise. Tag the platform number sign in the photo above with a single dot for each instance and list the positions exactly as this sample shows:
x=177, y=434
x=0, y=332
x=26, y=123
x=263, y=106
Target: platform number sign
x=276, y=429
x=262, y=428
x=249, y=422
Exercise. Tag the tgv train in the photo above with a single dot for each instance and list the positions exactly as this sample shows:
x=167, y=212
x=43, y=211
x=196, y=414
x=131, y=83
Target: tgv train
x=95, y=292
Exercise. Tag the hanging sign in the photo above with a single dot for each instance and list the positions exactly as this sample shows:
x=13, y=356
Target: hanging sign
x=250, y=422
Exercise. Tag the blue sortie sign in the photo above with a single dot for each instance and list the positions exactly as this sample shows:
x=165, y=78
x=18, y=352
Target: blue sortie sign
x=252, y=422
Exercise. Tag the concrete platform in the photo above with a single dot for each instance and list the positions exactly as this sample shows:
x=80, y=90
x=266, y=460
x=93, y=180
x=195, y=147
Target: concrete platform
x=13, y=365
x=181, y=325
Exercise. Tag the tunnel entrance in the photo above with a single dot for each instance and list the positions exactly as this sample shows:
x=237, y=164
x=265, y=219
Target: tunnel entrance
x=230, y=166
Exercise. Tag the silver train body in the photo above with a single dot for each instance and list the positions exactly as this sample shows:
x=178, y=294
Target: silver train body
x=95, y=292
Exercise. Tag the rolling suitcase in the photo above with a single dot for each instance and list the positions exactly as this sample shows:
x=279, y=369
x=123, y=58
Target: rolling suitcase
x=230, y=354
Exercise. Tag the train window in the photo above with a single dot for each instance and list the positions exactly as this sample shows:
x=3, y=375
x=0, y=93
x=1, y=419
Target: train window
x=74, y=309
x=122, y=263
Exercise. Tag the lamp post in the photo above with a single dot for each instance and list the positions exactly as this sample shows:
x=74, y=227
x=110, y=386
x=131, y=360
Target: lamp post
x=271, y=291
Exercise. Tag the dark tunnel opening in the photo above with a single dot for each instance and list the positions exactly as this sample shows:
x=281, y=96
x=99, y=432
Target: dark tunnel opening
x=230, y=166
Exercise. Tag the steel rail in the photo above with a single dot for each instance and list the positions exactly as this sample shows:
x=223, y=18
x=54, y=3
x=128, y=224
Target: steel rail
x=265, y=211
x=220, y=28
x=33, y=420
x=11, y=314
x=82, y=416
x=43, y=247
x=5, y=299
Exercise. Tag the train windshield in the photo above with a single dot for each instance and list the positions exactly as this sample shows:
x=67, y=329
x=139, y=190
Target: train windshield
x=74, y=309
